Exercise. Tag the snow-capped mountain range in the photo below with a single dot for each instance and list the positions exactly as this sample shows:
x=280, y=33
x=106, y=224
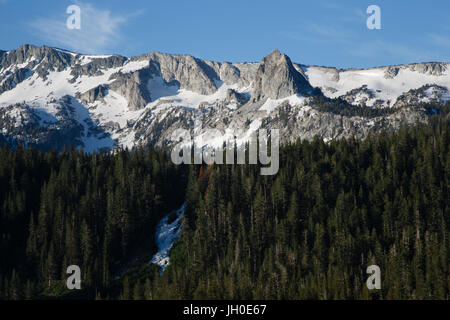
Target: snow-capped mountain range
x=52, y=97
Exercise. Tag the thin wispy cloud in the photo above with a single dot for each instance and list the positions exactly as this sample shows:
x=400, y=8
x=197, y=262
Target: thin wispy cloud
x=100, y=30
x=345, y=13
x=338, y=30
x=350, y=41
x=331, y=32
x=321, y=33
x=330, y=5
x=376, y=48
x=439, y=40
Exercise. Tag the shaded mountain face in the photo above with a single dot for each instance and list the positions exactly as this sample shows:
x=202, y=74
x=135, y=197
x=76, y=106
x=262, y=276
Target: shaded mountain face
x=52, y=97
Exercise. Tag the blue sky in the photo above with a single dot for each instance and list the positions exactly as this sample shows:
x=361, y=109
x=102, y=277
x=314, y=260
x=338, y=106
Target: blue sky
x=318, y=32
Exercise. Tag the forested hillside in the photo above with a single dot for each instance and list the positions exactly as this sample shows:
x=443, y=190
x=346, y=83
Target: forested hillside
x=308, y=232
x=94, y=211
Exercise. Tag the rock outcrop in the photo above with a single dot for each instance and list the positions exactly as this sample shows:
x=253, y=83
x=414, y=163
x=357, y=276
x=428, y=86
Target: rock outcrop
x=430, y=68
x=54, y=97
x=188, y=71
x=133, y=86
x=391, y=72
x=233, y=96
x=229, y=73
x=11, y=79
x=95, y=94
x=96, y=65
x=277, y=78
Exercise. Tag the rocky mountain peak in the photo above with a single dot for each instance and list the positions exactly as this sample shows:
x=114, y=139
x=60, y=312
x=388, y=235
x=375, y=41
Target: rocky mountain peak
x=48, y=58
x=44, y=53
x=191, y=73
x=277, y=78
x=55, y=97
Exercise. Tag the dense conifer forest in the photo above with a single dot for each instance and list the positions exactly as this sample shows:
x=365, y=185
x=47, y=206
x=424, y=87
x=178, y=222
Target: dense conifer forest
x=72, y=208
x=308, y=232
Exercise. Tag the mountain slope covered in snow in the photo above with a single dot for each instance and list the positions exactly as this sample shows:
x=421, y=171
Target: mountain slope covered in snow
x=51, y=97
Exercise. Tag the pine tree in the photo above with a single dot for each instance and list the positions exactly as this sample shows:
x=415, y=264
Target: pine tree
x=126, y=289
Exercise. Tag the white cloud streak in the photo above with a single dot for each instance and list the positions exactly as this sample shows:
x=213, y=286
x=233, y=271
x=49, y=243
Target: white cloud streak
x=100, y=30
x=376, y=48
x=439, y=40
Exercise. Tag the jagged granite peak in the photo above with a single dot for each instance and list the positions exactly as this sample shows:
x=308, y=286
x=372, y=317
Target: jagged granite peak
x=277, y=78
x=191, y=73
x=48, y=58
x=53, y=97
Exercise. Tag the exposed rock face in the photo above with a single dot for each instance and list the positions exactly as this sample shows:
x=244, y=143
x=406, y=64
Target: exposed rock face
x=391, y=72
x=133, y=87
x=50, y=59
x=136, y=94
x=10, y=80
x=95, y=67
x=293, y=122
x=78, y=104
x=334, y=73
x=277, y=78
x=229, y=73
x=188, y=71
x=232, y=95
x=55, y=59
x=430, y=68
x=93, y=95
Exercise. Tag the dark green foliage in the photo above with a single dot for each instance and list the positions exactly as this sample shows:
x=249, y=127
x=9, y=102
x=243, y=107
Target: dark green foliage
x=311, y=231
x=77, y=209
x=308, y=232
x=341, y=107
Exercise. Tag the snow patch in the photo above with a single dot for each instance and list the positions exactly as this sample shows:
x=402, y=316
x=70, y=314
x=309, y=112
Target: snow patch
x=159, y=88
x=272, y=104
x=166, y=234
x=132, y=66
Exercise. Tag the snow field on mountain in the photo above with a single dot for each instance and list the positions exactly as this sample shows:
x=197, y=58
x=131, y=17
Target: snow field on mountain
x=112, y=114
x=382, y=88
